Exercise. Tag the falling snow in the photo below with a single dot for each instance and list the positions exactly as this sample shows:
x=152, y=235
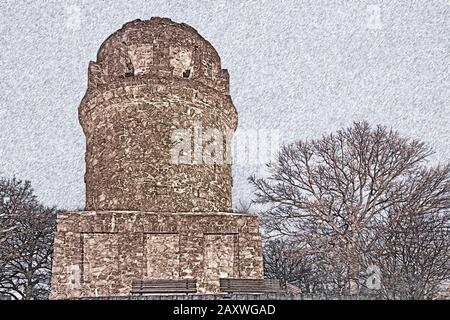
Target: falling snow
x=304, y=68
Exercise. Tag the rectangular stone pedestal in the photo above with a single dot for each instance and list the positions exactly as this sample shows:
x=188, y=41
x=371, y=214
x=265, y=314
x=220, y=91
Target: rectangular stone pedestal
x=100, y=253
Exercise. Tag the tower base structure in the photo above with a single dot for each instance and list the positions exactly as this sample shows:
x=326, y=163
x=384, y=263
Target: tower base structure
x=100, y=253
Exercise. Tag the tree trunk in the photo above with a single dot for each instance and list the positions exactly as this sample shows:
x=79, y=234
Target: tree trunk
x=353, y=270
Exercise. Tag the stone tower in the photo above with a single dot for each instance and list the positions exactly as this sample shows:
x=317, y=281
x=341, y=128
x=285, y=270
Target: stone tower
x=148, y=216
x=150, y=78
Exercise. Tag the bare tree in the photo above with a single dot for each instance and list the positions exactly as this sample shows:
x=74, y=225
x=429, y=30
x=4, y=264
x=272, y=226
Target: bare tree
x=312, y=271
x=282, y=262
x=243, y=207
x=334, y=194
x=413, y=248
x=26, y=241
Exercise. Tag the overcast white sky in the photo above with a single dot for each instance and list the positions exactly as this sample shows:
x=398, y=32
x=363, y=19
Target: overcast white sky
x=302, y=67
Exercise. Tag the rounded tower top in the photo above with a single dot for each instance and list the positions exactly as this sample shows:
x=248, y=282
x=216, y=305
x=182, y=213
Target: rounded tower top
x=155, y=87
x=158, y=47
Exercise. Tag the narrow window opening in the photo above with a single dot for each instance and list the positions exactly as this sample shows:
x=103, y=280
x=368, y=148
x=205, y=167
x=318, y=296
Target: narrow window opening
x=186, y=73
x=130, y=70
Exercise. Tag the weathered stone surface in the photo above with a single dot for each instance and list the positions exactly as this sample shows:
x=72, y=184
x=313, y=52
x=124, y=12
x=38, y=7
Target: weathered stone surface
x=148, y=217
x=100, y=253
x=151, y=78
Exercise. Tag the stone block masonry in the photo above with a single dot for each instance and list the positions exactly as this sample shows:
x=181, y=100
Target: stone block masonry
x=100, y=253
x=150, y=79
x=148, y=217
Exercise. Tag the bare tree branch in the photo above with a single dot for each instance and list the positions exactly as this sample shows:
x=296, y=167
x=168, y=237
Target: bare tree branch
x=345, y=192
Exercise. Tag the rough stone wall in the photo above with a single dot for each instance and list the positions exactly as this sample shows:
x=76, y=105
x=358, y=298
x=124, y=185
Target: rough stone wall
x=144, y=221
x=151, y=78
x=100, y=253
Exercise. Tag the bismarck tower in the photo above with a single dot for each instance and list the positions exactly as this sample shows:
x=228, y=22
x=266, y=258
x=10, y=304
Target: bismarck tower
x=147, y=215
